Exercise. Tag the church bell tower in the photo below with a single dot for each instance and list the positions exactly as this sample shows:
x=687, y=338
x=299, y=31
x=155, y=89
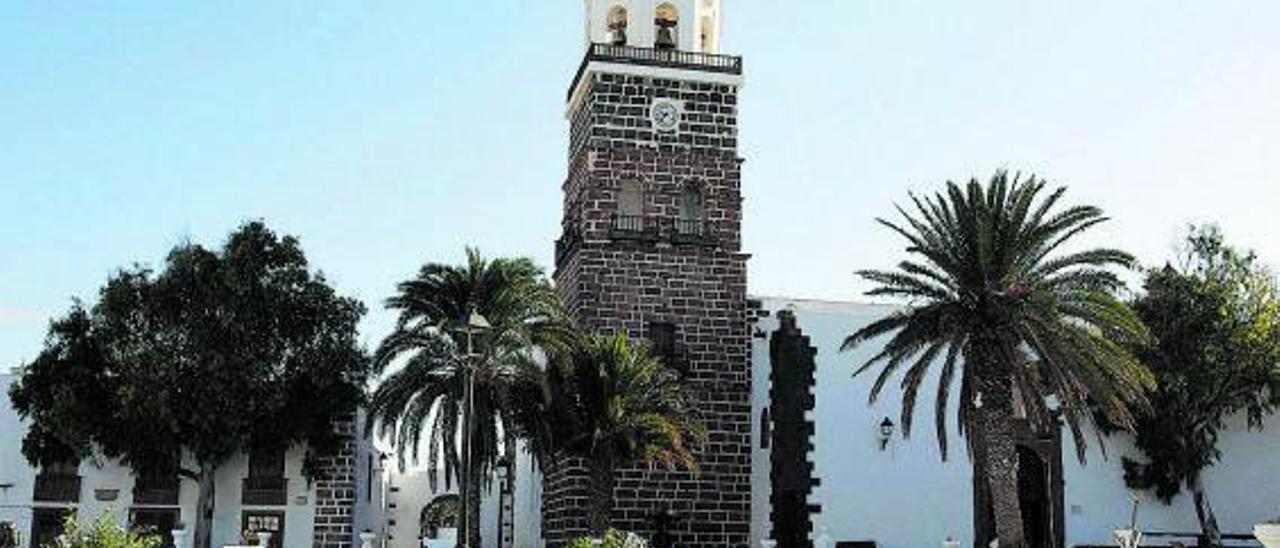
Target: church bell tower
x=651, y=247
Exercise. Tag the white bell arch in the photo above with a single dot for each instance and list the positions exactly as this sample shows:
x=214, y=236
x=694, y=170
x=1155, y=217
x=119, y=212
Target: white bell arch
x=697, y=28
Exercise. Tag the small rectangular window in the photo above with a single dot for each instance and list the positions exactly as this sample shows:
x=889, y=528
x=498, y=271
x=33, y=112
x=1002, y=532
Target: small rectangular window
x=266, y=464
x=265, y=522
x=664, y=344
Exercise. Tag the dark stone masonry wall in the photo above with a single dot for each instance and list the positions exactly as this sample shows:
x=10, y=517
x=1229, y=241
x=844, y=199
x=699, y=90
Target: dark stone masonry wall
x=791, y=374
x=336, y=494
x=630, y=282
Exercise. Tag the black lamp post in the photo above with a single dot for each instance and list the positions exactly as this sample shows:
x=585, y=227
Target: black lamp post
x=886, y=433
x=474, y=323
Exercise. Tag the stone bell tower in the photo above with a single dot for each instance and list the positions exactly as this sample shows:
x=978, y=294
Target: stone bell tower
x=651, y=246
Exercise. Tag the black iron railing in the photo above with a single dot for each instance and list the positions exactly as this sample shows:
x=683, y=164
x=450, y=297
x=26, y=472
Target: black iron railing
x=728, y=64
x=629, y=223
x=56, y=488
x=696, y=228
x=265, y=491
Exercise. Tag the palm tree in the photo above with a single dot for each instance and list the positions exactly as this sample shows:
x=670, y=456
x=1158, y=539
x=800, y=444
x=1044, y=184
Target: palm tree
x=425, y=396
x=992, y=297
x=617, y=404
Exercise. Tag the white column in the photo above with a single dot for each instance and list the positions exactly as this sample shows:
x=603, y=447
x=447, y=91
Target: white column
x=264, y=538
x=367, y=538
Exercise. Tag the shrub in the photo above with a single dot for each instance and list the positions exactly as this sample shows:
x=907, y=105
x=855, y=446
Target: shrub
x=104, y=532
x=9, y=536
x=612, y=539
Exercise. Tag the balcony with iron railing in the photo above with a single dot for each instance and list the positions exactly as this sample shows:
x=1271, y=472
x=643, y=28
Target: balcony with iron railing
x=637, y=227
x=56, y=488
x=652, y=57
x=265, y=491
x=691, y=228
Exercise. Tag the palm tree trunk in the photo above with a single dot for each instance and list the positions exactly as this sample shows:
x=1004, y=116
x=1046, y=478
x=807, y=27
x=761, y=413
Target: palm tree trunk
x=1001, y=470
x=601, y=504
x=472, y=534
x=998, y=442
x=1204, y=511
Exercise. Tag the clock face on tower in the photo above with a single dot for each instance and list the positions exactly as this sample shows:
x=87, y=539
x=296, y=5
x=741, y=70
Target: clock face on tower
x=665, y=114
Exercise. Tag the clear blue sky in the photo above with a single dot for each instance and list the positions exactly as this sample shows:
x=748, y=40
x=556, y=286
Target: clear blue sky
x=386, y=134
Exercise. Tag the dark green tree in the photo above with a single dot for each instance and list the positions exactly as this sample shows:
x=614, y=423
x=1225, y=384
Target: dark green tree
x=614, y=403
x=219, y=353
x=1215, y=351
x=992, y=297
x=430, y=354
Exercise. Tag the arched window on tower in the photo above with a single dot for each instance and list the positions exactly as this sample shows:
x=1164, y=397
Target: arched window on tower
x=667, y=27
x=690, y=222
x=618, y=26
x=630, y=207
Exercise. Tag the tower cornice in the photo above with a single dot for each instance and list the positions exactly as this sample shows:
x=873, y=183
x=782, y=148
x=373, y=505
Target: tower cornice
x=681, y=66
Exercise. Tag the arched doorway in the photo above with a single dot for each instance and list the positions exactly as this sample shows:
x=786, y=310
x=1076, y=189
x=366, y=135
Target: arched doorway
x=1034, y=497
x=441, y=513
x=1040, y=491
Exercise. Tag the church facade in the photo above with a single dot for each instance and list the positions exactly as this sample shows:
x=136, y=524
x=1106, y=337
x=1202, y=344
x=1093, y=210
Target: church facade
x=651, y=246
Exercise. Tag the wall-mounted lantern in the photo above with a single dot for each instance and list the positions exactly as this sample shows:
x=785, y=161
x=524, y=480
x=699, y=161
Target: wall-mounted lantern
x=886, y=433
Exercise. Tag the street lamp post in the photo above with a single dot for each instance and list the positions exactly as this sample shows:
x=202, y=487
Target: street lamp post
x=474, y=324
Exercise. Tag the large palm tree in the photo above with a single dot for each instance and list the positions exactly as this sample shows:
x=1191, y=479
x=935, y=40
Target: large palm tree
x=1032, y=330
x=421, y=402
x=616, y=404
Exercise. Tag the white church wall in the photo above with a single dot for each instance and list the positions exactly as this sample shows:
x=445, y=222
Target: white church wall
x=901, y=497
x=906, y=496
x=1241, y=487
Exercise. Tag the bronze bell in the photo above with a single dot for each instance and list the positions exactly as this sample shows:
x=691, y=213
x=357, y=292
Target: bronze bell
x=666, y=38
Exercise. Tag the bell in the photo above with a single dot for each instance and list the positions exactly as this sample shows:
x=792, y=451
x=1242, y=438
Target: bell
x=619, y=36
x=666, y=38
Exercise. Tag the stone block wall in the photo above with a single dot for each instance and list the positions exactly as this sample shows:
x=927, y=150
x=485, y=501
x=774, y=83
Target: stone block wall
x=335, y=493
x=628, y=281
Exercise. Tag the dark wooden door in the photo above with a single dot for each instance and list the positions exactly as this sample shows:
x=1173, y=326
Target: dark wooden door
x=46, y=525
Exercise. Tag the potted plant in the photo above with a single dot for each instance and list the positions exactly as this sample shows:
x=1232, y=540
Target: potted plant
x=1268, y=533
x=9, y=536
x=1131, y=537
x=367, y=538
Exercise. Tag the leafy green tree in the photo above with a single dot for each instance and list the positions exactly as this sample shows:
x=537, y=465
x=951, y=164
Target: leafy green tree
x=615, y=403
x=1215, y=351
x=992, y=297
x=219, y=353
x=427, y=356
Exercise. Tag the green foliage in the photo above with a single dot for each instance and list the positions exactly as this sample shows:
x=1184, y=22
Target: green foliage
x=9, y=535
x=612, y=539
x=988, y=282
x=218, y=353
x=104, y=532
x=426, y=355
x=1215, y=351
x=616, y=402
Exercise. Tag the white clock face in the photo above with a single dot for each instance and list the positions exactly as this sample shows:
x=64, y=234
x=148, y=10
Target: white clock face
x=665, y=114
